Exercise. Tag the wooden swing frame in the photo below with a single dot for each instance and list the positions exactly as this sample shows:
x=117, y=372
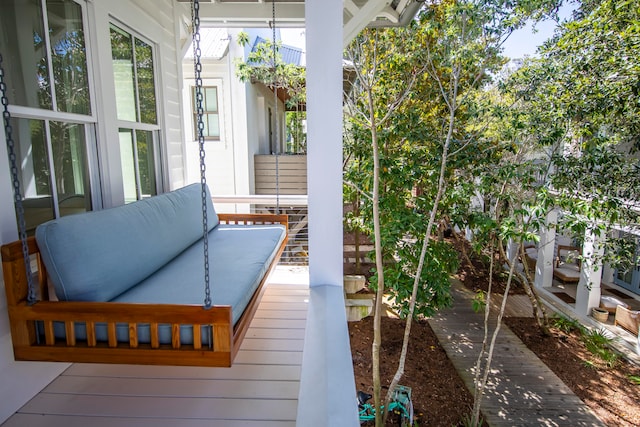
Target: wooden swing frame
x=27, y=345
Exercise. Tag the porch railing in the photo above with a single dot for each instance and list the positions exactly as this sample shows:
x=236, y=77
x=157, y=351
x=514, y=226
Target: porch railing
x=296, y=206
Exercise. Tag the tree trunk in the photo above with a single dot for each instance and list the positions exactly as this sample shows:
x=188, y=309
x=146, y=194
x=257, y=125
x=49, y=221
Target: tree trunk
x=425, y=245
x=377, y=314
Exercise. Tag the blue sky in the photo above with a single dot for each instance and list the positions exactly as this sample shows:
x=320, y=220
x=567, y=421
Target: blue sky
x=525, y=41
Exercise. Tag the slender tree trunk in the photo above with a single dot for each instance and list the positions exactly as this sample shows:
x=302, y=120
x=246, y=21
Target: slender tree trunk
x=539, y=313
x=356, y=233
x=425, y=245
x=486, y=370
x=478, y=386
x=377, y=338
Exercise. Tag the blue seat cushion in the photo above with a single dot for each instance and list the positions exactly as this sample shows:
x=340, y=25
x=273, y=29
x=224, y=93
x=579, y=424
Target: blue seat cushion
x=96, y=256
x=239, y=257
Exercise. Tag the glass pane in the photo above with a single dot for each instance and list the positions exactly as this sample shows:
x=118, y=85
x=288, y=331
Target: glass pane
x=211, y=99
x=22, y=38
x=128, y=165
x=68, y=55
x=146, y=85
x=70, y=166
x=146, y=162
x=213, y=127
x=31, y=155
x=194, y=99
x=122, y=58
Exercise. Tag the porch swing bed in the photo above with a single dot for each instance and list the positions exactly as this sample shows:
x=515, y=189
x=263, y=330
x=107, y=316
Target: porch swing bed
x=124, y=285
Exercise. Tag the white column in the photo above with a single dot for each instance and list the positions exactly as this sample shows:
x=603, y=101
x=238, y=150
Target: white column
x=588, y=293
x=327, y=386
x=324, y=140
x=546, y=249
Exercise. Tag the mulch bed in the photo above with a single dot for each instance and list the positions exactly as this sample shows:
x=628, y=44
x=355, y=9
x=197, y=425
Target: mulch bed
x=439, y=396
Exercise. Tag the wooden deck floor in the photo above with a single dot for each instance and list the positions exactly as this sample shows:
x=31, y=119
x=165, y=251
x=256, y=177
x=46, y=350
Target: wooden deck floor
x=261, y=389
x=522, y=390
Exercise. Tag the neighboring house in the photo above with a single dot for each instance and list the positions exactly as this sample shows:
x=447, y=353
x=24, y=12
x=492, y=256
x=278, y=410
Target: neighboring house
x=240, y=118
x=98, y=105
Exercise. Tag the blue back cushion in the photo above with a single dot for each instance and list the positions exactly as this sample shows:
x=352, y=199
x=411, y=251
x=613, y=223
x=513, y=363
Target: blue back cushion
x=96, y=256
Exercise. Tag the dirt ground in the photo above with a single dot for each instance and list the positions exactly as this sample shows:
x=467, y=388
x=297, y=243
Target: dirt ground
x=439, y=395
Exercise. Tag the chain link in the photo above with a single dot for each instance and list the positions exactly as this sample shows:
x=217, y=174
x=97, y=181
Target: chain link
x=17, y=198
x=197, y=66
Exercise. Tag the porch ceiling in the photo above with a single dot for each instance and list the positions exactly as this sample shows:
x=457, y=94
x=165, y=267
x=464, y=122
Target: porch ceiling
x=357, y=14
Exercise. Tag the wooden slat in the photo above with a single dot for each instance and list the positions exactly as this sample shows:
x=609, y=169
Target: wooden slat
x=162, y=407
x=91, y=334
x=273, y=344
x=70, y=333
x=155, y=337
x=236, y=372
x=49, y=334
x=133, y=335
x=197, y=337
x=275, y=314
x=179, y=388
x=279, y=323
x=112, y=336
x=175, y=335
x=37, y=420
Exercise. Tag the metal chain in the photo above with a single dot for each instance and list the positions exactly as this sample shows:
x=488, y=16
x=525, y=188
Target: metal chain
x=197, y=65
x=17, y=198
x=275, y=99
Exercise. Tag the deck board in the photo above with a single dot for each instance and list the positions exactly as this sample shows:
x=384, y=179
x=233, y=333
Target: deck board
x=37, y=420
x=260, y=389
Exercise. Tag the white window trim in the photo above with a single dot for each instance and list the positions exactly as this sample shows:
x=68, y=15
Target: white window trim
x=219, y=84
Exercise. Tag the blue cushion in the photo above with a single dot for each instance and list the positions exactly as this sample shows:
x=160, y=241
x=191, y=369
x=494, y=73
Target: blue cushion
x=96, y=256
x=239, y=256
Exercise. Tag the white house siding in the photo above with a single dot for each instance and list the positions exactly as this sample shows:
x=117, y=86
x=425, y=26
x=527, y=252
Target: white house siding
x=162, y=12
x=219, y=155
x=152, y=19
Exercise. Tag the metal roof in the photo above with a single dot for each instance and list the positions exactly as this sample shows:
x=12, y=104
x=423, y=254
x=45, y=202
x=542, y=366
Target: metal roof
x=290, y=54
x=214, y=43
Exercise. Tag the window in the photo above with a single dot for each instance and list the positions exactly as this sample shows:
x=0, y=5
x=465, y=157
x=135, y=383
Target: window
x=210, y=114
x=134, y=75
x=48, y=88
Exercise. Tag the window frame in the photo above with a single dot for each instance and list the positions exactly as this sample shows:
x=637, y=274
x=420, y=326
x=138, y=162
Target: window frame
x=138, y=125
x=205, y=113
x=89, y=122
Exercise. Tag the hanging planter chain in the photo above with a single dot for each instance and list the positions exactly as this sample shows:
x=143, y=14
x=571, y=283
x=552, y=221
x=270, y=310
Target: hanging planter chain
x=17, y=198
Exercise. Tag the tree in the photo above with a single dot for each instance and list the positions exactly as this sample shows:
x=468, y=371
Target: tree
x=568, y=123
x=371, y=105
x=580, y=100
x=414, y=108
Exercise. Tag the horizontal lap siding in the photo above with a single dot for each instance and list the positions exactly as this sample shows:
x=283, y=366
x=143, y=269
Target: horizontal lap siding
x=261, y=389
x=292, y=174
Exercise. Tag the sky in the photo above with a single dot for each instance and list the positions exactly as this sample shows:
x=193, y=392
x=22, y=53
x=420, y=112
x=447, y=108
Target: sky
x=526, y=40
